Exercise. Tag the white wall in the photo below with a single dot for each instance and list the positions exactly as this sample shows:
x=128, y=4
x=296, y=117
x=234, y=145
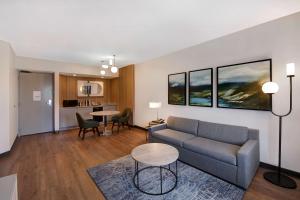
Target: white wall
x=278, y=40
x=9, y=97
x=41, y=65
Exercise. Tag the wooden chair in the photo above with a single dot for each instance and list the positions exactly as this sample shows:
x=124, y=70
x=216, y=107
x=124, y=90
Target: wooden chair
x=86, y=126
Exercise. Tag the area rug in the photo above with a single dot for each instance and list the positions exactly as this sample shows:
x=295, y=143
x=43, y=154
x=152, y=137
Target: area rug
x=115, y=180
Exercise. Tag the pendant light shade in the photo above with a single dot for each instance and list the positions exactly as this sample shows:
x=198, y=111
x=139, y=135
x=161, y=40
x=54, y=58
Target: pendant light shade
x=114, y=69
x=105, y=66
x=111, y=62
x=102, y=72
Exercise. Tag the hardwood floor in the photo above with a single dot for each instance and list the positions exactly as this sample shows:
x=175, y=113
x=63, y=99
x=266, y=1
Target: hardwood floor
x=53, y=166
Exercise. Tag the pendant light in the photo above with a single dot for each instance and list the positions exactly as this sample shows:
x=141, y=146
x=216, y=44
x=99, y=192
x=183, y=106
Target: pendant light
x=114, y=69
x=102, y=72
x=110, y=61
x=104, y=65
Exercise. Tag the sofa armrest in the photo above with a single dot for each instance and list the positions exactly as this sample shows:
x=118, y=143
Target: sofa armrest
x=152, y=129
x=248, y=162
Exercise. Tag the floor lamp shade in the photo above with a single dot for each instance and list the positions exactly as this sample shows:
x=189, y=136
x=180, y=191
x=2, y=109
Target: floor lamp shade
x=290, y=69
x=270, y=88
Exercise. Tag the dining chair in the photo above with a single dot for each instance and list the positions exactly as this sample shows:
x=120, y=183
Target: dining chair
x=86, y=126
x=122, y=119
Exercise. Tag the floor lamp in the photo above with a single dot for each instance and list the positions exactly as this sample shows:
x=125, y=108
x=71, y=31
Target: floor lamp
x=276, y=177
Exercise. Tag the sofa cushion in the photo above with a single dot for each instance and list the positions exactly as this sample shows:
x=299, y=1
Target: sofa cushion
x=172, y=136
x=183, y=124
x=237, y=135
x=218, y=150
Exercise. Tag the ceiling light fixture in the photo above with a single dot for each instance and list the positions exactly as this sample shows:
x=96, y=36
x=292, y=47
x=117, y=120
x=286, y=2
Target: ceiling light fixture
x=102, y=72
x=111, y=61
x=114, y=69
x=104, y=65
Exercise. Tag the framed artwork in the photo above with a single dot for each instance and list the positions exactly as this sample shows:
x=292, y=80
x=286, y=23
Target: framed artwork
x=201, y=87
x=90, y=88
x=177, y=89
x=239, y=85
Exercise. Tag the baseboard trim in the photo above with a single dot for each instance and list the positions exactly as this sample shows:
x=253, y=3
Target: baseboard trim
x=274, y=168
x=12, y=147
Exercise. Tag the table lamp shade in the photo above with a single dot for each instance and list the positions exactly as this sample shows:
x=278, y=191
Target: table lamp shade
x=270, y=88
x=154, y=105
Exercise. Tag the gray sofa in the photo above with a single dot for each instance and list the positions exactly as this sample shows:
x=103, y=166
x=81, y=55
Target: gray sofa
x=226, y=151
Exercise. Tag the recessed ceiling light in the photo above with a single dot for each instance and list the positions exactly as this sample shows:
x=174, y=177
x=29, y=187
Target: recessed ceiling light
x=74, y=74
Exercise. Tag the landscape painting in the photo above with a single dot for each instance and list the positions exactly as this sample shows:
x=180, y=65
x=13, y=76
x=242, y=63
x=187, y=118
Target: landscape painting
x=177, y=89
x=200, y=87
x=239, y=85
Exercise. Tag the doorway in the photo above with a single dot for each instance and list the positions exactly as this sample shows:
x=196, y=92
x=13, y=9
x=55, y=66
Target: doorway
x=36, y=109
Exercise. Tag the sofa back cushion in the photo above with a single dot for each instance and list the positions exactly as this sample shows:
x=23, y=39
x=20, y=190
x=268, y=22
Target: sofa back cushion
x=183, y=124
x=237, y=135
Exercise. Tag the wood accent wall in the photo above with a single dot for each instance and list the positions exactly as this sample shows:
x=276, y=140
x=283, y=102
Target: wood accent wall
x=68, y=89
x=126, y=88
x=114, y=95
x=117, y=90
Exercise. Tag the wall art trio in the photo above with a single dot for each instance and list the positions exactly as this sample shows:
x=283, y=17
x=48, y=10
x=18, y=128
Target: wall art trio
x=238, y=86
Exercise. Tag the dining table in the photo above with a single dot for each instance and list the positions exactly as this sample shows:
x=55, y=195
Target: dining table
x=105, y=114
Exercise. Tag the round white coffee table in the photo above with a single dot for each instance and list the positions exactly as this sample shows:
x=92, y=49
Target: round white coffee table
x=156, y=155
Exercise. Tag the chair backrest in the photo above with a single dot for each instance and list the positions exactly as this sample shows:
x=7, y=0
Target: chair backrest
x=126, y=113
x=80, y=120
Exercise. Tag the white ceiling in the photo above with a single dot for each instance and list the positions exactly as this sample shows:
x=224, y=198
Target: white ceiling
x=85, y=31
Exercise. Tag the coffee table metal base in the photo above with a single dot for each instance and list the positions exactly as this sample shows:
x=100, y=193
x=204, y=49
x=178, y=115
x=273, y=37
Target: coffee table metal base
x=161, y=168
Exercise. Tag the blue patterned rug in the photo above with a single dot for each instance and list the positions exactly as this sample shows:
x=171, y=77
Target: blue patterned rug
x=114, y=179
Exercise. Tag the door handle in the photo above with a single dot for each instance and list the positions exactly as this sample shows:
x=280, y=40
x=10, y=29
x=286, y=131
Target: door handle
x=49, y=102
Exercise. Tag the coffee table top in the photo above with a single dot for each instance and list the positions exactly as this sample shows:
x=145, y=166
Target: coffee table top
x=155, y=154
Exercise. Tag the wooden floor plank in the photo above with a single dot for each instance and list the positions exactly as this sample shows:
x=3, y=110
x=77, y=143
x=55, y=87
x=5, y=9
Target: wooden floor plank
x=53, y=166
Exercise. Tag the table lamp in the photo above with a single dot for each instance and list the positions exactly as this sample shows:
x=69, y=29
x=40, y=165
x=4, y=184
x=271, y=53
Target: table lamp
x=270, y=88
x=155, y=105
